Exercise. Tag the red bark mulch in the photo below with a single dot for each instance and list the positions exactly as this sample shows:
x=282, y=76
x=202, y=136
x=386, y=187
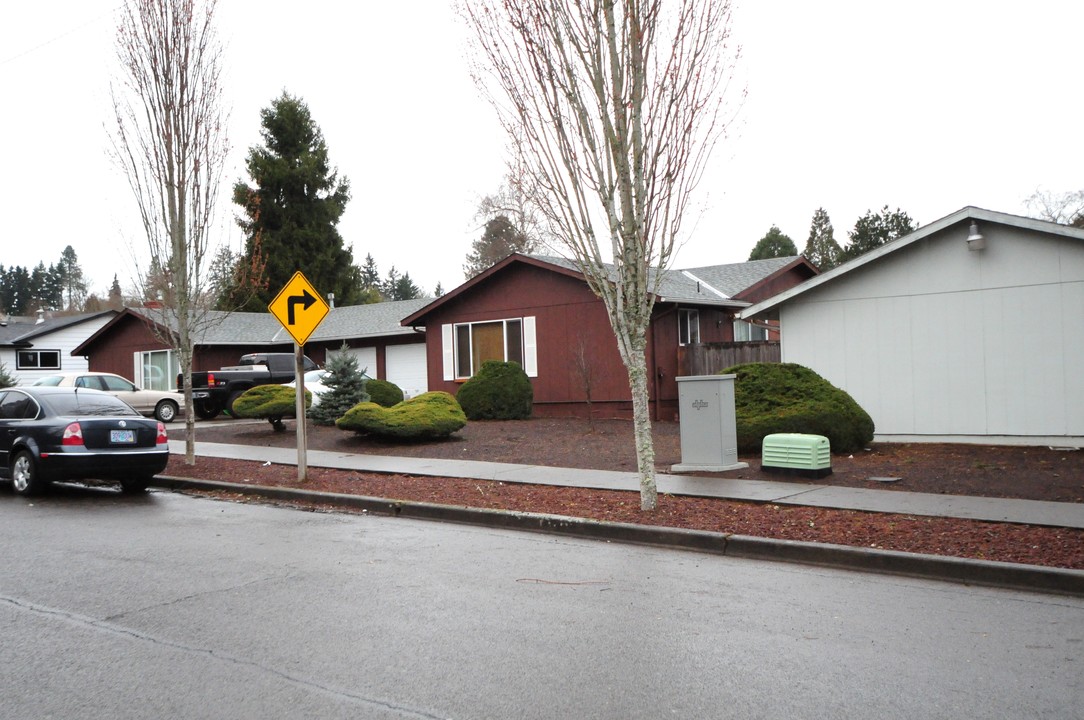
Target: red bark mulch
x=1028, y=473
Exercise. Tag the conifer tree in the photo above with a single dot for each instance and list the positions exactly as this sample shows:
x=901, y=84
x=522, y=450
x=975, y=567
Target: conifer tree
x=346, y=388
x=292, y=210
x=822, y=249
x=774, y=244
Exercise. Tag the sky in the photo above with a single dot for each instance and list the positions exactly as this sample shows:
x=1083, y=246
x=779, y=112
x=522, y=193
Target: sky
x=927, y=106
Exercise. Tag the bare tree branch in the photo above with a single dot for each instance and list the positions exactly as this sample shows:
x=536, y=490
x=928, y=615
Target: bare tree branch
x=170, y=140
x=612, y=108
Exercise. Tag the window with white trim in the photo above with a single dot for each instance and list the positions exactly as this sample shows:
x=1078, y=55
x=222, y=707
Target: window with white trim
x=156, y=369
x=688, y=327
x=468, y=345
x=748, y=332
x=37, y=360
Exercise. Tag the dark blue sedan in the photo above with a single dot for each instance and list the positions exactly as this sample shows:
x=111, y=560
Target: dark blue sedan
x=54, y=433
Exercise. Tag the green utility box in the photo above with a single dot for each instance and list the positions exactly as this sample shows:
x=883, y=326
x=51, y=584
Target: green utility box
x=796, y=454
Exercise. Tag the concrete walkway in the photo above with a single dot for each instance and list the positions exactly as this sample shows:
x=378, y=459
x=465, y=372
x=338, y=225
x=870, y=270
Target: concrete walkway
x=1029, y=512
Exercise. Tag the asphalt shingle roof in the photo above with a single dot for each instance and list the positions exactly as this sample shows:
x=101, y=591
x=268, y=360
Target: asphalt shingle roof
x=708, y=285
x=19, y=331
x=248, y=328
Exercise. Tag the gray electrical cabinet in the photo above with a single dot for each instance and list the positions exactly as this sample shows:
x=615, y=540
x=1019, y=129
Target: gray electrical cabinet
x=709, y=440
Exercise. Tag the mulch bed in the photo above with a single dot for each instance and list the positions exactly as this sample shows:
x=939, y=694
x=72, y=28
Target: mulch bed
x=1031, y=473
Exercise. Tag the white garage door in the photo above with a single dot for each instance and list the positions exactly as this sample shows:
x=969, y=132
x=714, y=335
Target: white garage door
x=366, y=359
x=407, y=368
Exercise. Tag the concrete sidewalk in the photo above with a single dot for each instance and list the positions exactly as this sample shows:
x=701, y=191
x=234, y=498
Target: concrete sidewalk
x=1029, y=512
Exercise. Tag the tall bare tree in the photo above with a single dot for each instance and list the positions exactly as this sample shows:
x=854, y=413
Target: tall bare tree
x=612, y=108
x=170, y=141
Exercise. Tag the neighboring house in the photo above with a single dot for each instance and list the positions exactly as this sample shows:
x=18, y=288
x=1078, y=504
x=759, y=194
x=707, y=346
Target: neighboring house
x=540, y=312
x=31, y=347
x=970, y=329
x=131, y=344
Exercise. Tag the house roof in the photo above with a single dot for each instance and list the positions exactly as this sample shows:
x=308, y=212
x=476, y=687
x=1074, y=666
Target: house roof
x=248, y=328
x=715, y=285
x=21, y=331
x=966, y=214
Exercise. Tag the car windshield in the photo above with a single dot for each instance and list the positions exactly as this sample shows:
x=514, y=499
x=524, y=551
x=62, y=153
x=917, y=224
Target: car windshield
x=82, y=404
x=314, y=376
x=48, y=380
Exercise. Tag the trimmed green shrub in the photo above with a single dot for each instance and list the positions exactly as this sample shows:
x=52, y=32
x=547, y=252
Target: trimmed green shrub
x=788, y=398
x=272, y=402
x=345, y=388
x=384, y=393
x=498, y=391
x=429, y=415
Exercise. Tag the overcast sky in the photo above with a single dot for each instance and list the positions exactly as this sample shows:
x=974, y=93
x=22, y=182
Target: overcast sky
x=928, y=105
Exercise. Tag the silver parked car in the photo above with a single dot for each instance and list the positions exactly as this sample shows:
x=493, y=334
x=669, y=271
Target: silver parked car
x=159, y=404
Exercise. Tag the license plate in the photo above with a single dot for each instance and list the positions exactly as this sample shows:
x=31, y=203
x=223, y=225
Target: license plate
x=122, y=436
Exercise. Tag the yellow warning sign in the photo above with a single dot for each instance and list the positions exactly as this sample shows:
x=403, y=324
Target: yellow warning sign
x=299, y=308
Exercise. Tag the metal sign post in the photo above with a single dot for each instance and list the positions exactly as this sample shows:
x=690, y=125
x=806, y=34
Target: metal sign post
x=300, y=309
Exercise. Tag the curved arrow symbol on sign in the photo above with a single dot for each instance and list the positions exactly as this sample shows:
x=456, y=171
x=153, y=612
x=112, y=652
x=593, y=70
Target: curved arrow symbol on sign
x=304, y=298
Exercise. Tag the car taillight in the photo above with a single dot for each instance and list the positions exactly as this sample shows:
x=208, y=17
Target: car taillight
x=210, y=379
x=162, y=439
x=73, y=435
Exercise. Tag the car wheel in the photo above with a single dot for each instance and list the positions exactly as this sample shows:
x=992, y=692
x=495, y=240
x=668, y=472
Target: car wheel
x=24, y=474
x=135, y=485
x=165, y=411
x=205, y=411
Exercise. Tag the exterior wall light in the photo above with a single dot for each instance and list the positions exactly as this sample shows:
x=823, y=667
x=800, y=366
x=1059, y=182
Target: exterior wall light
x=975, y=241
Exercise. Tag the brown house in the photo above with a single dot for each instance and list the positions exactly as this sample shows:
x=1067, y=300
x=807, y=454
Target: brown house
x=540, y=312
x=131, y=343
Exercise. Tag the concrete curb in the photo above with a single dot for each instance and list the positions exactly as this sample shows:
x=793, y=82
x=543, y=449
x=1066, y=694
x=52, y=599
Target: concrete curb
x=1032, y=578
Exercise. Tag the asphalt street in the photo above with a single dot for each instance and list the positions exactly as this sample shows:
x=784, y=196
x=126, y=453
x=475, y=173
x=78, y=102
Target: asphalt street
x=168, y=606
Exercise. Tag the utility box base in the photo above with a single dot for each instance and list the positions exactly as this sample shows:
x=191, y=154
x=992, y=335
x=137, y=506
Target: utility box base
x=708, y=437
x=796, y=454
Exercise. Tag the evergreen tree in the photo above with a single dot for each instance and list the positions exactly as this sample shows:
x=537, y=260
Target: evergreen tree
x=405, y=289
x=500, y=239
x=292, y=212
x=875, y=229
x=773, y=245
x=6, y=378
x=116, y=297
x=370, y=276
x=387, y=288
x=73, y=284
x=822, y=249
x=346, y=388
x=438, y=291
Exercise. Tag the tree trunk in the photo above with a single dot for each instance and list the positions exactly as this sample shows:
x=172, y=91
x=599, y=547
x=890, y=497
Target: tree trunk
x=641, y=428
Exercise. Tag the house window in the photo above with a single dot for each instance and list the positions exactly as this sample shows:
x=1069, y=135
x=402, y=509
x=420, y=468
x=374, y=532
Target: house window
x=156, y=369
x=747, y=332
x=688, y=327
x=37, y=360
x=468, y=345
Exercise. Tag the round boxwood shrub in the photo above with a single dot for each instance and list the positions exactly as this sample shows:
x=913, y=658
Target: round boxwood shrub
x=271, y=402
x=426, y=416
x=498, y=391
x=383, y=393
x=789, y=398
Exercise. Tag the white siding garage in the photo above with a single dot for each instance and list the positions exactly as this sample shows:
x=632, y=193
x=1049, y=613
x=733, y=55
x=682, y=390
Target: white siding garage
x=366, y=358
x=944, y=341
x=406, y=365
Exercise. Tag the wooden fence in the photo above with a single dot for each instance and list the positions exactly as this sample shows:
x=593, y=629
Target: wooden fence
x=710, y=358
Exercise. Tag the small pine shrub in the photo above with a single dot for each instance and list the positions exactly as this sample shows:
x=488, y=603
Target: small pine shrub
x=788, y=398
x=6, y=378
x=498, y=391
x=384, y=393
x=427, y=416
x=346, y=388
